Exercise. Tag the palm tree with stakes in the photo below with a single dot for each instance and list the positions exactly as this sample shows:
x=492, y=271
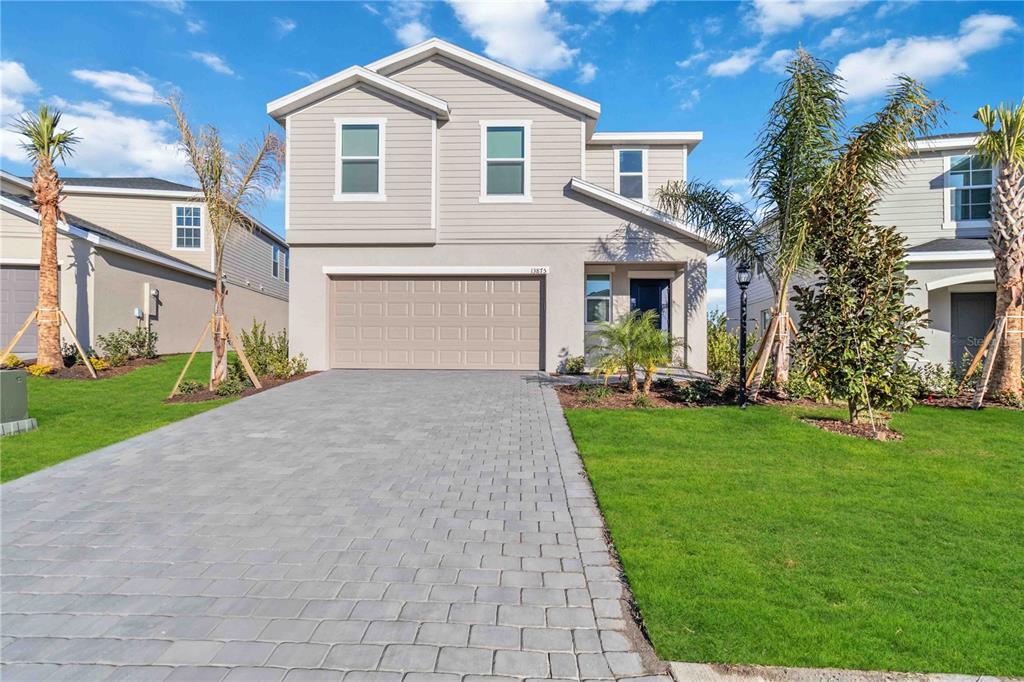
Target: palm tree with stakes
x=1003, y=147
x=45, y=145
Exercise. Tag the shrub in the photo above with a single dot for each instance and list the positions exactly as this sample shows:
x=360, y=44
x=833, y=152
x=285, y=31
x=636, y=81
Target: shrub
x=802, y=384
x=1010, y=398
x=664, y=384
x=574, y=364
x=127, y=344
x=268, y=353
x=593, y=393
x=641, y=401
x=696, y=391
x=39, y=370
x=189, y=386
x=632, y=343
x=936, y=379
x=99, y=364
x=12, y=361
x=231, y=386
x=69, y=354
x=724, y=349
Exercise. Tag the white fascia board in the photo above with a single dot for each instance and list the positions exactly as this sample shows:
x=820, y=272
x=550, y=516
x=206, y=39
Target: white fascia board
x=947, y=256
x=107, y=243
x=15, y=180
x=945, y=143
x=436, y=46
x=690, y=138
x=126, y=191
x=291, y=103
x=436, y=270
x=638, y=209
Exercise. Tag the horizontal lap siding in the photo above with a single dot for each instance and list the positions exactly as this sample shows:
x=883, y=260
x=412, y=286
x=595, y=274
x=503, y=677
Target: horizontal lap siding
x=665, y=164
x=407, y=166
x=915, y=202
x=601, y=166
x=248, y=257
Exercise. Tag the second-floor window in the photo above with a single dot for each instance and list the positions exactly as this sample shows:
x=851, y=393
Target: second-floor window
x=971, y=179
x=630, y=176
x=276, y=265
x=505, y=166
x=188, y=227
x=360, y=174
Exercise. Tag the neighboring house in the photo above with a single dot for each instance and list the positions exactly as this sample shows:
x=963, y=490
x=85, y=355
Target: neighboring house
x=941, y=204
x=135, y=251
x=447, y=211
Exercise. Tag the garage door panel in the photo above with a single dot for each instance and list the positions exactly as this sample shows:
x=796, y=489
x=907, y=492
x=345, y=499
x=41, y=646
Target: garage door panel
x=440, y=322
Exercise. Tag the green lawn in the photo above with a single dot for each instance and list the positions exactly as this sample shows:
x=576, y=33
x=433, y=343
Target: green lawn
x=76, y=417
x=750, y=537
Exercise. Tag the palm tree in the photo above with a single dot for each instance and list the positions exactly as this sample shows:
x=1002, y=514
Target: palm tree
x=45, y=145
x=794, y=147
x=1004, y=147
x=232, y=184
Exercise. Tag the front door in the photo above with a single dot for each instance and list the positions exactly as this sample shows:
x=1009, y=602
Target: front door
x=972, y=314
x=651, y=294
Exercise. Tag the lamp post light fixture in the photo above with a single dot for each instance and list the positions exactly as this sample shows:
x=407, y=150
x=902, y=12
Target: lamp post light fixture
x=743, y=277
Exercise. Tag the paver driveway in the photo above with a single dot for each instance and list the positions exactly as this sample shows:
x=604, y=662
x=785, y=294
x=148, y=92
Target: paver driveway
x=431, y=524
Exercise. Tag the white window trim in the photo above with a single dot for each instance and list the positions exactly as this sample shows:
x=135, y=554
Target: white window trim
x=643, y=174
x=981, y=226
x=275, y=261
x=380, y=194
x=174, y=227
x=526, y=196
x=587, y=297
x=287, y=267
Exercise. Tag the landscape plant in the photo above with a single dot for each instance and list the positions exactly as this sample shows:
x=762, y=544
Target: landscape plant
x=122, y=345
x=858, y=331
x=11, y=361
x=630, y=344
x=724, y=348
x=45, y=143
x=231, y=184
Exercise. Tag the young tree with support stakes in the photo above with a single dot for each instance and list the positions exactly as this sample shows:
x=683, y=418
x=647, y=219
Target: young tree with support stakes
x=231, y=185
x=1003, y=147
x=45, y=145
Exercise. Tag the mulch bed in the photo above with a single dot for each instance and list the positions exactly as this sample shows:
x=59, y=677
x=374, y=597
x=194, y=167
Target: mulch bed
x=206, y=394
x=77, y=372
x=858, y=430
x=962, y=402
x=621, y=399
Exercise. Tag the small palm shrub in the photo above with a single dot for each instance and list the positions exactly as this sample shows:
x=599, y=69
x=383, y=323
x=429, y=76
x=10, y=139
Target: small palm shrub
x=630, y=344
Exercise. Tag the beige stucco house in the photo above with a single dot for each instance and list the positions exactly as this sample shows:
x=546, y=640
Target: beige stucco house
x=135, y=251
x=940, y=203
x=446, y=211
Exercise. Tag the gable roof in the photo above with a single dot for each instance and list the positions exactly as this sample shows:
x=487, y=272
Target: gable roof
x=290, y=103
x=436, y=46
x=638, y=209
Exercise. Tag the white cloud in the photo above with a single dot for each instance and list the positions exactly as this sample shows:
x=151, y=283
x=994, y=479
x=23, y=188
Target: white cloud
x=778, y=61
x=633, y=6
x=691, y=100
x=736, y=63
x=214, y=62
x=524, y=34
x=15, y=84
x=305, y=75
x=412, y=33
x=122, y=86
x=371, y=9
x=870, y=71
x=836, y=36
x=716, y=284
x=588, y=72
x=195, y=25
x=893, y=6
x=175, y=6
x=694, y=58
x=775, y=16
x=284, y=25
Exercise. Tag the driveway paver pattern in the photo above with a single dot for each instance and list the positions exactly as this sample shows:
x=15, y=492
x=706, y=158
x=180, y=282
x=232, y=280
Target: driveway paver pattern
x=357, y=524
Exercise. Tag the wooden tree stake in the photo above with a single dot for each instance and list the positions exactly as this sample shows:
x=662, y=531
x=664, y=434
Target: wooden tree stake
x=976, y=360
x=990, y=361
x=81, y=351
x=241, y=354
x=174, y=391
x=770, y=338
x=21, y=332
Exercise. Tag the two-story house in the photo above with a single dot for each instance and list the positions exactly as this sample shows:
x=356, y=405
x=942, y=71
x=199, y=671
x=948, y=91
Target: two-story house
x=447, y=211
x=136, y=251
x=941, y=204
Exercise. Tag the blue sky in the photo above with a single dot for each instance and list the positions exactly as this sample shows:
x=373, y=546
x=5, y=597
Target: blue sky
x=709, y=66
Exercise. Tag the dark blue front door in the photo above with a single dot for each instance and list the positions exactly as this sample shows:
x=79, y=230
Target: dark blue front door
x=651, y=294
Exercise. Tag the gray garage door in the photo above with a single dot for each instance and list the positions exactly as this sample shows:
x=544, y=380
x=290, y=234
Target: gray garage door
x=436, y=323
x=19, y=288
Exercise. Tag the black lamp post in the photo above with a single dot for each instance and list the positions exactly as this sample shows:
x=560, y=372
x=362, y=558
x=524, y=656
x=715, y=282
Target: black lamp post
x=743, y=277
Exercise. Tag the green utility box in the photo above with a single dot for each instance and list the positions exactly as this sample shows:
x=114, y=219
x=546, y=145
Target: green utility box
x=14, y=402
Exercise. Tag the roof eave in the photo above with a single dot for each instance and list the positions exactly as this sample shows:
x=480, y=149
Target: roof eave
x=690, y=138
x=944, y=143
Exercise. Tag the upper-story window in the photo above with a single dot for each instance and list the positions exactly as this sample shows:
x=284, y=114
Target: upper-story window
x=275, y=265
x=599, y=298
x=971, y=180
x=631, y=173
x=188, y=228
x=360, y=165
x=505, y=161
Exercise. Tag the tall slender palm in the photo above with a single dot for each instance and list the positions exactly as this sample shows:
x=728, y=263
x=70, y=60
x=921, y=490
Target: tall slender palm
x=46, y=144
x=231, y=185
x=1004, y=147
x=796, y=144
